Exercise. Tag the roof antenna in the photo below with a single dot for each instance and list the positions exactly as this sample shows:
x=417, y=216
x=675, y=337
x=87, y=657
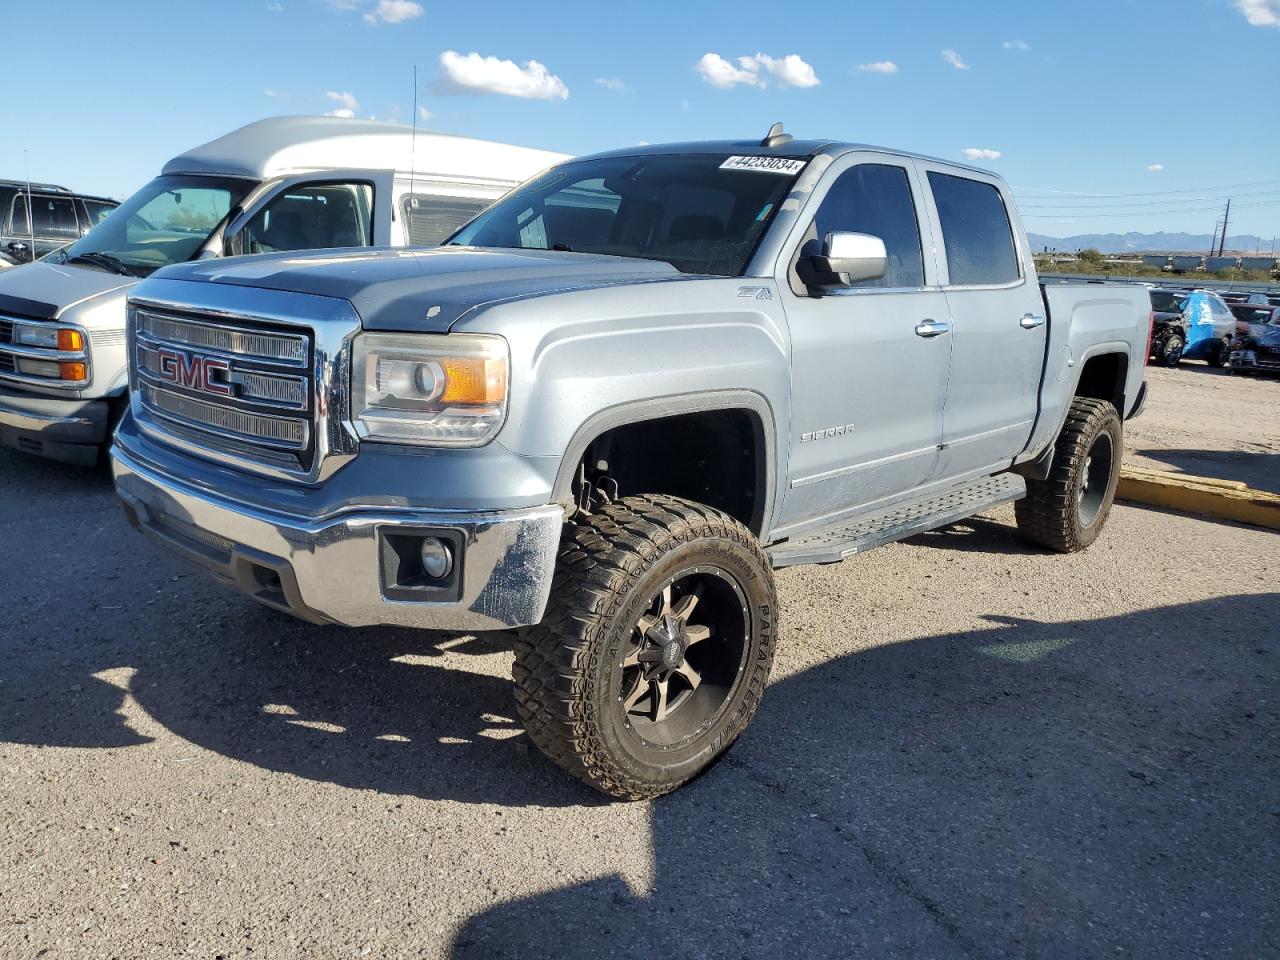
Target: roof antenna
x=413, y=143
x=775, y=137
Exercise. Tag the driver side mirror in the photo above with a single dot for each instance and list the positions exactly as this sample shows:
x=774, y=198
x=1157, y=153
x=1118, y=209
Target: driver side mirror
x=849, y=258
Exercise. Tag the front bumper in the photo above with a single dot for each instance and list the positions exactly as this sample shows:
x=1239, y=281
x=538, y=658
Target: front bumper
x=67, y=430
x=1255, y=360
x=335, y=569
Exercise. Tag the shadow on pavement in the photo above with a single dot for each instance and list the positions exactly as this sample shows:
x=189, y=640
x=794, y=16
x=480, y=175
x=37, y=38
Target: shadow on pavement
x=1085, y=789
x=1259, y=470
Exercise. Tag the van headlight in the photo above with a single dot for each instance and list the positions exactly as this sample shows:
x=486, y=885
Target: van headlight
x=431, y=389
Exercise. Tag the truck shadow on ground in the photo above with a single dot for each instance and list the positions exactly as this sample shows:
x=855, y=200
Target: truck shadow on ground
x=1095, y=788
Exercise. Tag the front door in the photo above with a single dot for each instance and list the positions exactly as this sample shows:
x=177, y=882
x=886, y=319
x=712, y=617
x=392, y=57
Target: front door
x=869, y=362
x=316, y=212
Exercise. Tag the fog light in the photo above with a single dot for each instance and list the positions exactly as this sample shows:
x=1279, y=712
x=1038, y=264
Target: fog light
x=437, y=559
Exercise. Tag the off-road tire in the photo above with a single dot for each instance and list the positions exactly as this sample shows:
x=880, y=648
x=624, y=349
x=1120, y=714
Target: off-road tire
x=566, y=688
x=1171, y=349
x=1050, y=514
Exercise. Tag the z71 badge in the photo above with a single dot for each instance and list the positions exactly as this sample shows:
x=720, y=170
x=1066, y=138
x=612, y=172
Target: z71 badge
x=839, y=431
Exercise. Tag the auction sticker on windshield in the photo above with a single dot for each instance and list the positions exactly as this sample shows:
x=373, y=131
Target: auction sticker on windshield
x=785, y=165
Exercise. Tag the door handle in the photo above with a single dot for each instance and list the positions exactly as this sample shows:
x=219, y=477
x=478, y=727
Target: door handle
x=1030, y=321
x=932, y=328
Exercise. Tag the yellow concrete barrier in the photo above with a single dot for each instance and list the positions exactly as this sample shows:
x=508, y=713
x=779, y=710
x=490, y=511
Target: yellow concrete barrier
x=1206, y=496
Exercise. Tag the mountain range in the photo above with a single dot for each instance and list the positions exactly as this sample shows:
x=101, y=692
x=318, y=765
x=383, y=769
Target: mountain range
x=1148, y=243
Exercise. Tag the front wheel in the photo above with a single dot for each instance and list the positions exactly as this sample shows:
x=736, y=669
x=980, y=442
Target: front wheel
x=655, y=648
x=1171, y=354
x=1067, y=510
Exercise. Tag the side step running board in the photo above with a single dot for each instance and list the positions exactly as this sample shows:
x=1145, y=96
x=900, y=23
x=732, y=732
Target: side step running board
x=834, y=543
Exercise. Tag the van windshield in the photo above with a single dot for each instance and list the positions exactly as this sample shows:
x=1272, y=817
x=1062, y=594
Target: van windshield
x=701, y=213
x=165, y=222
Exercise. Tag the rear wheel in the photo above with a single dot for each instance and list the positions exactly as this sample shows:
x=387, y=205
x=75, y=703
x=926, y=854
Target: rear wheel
x=655, y=648
x=1067, y=510
x=1219, y=354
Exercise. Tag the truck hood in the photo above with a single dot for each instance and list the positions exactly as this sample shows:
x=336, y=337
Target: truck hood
x=424, y=290
x=47, y=291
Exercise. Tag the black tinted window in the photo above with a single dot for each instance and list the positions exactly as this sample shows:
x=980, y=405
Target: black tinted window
x=313, y=217
x=430, y=220
x=975, y=231
x=875, y=198
x=55, y=217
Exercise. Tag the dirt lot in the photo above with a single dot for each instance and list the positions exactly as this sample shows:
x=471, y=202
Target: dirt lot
x=1207, y=422
x=969, y=749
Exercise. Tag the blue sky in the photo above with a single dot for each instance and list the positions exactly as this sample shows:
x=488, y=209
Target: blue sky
x=1082, y=101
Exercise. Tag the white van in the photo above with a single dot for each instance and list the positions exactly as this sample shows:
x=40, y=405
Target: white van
x=287, y=183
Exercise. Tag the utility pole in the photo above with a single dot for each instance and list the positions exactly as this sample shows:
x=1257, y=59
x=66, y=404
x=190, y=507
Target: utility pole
x=1226, y=217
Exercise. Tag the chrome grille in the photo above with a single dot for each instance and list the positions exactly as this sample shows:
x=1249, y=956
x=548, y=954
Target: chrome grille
x=226, y=386
x=254, y=379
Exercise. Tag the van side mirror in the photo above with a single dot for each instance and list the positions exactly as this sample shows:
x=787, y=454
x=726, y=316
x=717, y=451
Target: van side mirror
x=849, y=258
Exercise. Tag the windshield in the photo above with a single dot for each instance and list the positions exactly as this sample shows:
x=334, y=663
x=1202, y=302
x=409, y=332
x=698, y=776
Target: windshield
x=701, y=213
x=165, y=222
x=1164, y=302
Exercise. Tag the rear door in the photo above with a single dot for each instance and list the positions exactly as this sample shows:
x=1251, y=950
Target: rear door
x=867, y=384
x=998, y=323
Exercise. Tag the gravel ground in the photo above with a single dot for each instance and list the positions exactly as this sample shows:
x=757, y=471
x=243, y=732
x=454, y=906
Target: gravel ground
x=1208, y=422
x=968, y=749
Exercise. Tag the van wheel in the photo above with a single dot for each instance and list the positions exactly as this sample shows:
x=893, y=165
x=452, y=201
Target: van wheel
x=1067, y=510
x=1171, y=354
x=655, y=648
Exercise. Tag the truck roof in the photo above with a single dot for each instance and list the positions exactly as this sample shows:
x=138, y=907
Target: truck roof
x=283, y=145
x=791, y=148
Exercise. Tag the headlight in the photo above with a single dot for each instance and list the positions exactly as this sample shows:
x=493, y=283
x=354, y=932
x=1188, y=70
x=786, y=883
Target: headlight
x=437, y=390
x=51, y=338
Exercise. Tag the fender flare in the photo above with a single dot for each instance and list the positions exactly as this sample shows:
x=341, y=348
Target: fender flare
x=657, y=408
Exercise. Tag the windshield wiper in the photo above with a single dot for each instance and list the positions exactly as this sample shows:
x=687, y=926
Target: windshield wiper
x=104, y=260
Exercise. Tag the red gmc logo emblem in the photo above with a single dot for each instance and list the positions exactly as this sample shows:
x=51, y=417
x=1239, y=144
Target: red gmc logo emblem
x=195, y=372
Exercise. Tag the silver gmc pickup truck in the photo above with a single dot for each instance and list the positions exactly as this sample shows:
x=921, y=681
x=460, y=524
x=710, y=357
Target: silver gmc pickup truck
x=611, y=405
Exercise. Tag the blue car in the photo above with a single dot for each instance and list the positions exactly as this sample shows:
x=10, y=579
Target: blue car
x=1191, y=325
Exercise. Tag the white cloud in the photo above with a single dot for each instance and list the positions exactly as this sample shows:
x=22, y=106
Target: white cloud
x=1155, y=168
x=616, y=84
x=341, y=6
x=881, y=66
x=275, y=7
x=720, y=73
x=954, y=59
x=349, y=105
x=393, y=11
x=981, y=153
x=1260, y=13
x=1016, y=45
x=473, y=73
x=424, y=113
x=756, y=71
x=268, y=92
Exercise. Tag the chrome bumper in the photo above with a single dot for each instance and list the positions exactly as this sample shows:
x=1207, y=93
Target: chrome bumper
x=334, y=570
x=68, y=430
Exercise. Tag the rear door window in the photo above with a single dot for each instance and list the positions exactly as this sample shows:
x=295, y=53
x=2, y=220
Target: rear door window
x=54, y=217
x=976, y=232
x=430, y=220
x=875, y=198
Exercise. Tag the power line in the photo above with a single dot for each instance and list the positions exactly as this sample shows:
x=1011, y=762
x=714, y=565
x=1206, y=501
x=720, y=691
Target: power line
x=1153, y=193
x=1146, y=203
